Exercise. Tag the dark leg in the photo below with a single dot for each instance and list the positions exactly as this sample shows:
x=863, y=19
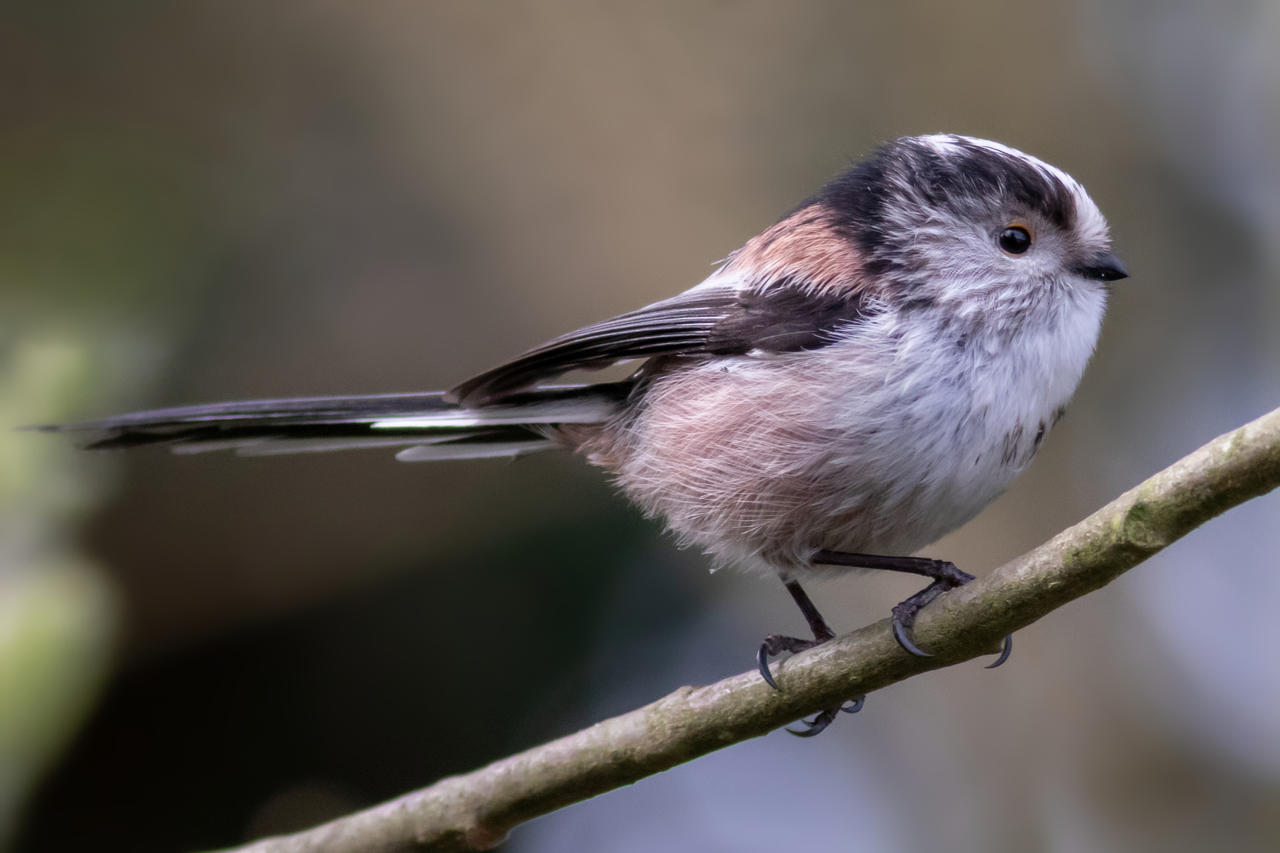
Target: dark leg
x=945, y=577
x=821, y=631
x=776, y=644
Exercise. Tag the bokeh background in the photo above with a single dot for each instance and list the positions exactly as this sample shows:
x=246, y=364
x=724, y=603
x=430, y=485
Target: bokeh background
x=221, y=200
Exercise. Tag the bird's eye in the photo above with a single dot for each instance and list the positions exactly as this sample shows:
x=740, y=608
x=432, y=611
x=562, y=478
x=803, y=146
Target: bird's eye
x=1014, y=240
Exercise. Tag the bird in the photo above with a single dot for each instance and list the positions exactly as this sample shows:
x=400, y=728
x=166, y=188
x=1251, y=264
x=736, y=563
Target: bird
x=854, y=382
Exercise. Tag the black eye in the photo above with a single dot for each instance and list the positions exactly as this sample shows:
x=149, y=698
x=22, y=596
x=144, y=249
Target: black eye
x=1015, y=240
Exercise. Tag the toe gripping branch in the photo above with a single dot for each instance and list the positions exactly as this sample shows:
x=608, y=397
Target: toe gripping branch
x=945, y=576
x=776, y=644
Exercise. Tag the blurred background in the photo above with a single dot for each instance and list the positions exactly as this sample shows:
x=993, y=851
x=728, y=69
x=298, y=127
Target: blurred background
x=213, y=201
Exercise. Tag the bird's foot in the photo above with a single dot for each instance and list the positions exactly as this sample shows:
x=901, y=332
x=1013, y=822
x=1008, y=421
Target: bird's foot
x=776, y=644
x=825, y=718
x=947, y=578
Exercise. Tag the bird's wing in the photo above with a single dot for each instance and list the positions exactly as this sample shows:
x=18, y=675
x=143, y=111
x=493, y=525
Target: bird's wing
x=711, y=319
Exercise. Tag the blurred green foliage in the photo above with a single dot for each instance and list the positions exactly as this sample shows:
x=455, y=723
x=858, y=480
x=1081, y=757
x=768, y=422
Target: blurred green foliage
x=58, y=612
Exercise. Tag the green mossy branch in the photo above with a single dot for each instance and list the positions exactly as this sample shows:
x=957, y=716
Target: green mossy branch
x=475, y=811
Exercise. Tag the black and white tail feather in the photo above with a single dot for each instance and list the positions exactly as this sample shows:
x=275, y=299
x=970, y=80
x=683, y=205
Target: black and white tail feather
x=422, y=427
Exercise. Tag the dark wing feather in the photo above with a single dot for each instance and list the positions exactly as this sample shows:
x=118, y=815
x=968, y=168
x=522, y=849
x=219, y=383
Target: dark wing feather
x=703, y=321
x=680, y=324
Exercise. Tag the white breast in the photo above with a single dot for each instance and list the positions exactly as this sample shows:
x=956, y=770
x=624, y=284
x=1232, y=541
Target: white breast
x=976, y=418
x=880, y=443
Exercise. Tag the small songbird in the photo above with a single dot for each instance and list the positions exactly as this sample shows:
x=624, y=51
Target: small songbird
x=854, y=382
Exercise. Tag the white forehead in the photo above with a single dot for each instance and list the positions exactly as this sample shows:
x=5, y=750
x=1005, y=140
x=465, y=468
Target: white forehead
x=1091, y=226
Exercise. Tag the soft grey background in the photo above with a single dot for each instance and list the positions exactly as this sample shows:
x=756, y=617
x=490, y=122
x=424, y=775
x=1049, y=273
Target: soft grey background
x=211, y=201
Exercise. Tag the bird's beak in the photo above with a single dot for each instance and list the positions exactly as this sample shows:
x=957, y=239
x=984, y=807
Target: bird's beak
x=1104, y=267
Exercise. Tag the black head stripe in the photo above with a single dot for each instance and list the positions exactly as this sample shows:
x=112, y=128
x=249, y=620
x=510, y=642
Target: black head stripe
x=965, y=179
x=983, y=171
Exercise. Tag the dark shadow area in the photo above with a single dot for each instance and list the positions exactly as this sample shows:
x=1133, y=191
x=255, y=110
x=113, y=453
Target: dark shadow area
x=436, y=671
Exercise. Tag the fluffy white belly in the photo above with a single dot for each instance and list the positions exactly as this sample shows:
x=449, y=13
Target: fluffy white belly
x=876, y=444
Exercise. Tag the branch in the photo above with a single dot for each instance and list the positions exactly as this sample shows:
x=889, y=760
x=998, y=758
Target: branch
x=475, y=811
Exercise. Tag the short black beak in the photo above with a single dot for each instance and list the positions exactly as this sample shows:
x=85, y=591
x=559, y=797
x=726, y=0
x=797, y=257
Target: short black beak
x=1105, y=267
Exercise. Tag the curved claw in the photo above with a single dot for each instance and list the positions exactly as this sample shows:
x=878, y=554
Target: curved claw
x=855, y=705
x=816, y=725
x=904, y=640
x=1006, y=649
x=762, y=662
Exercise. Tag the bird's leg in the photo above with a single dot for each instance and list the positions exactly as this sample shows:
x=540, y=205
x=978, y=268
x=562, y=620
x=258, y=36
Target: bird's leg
x=945, y=577
x=776, y=644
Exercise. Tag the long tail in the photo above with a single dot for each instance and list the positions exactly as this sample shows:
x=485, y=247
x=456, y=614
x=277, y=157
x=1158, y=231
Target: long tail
x=423, y=427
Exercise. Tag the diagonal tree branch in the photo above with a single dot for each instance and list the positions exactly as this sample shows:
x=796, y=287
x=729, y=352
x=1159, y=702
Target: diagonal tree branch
x=476, y=810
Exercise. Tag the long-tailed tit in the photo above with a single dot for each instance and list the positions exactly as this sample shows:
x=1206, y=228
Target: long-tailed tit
x=850, y=385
